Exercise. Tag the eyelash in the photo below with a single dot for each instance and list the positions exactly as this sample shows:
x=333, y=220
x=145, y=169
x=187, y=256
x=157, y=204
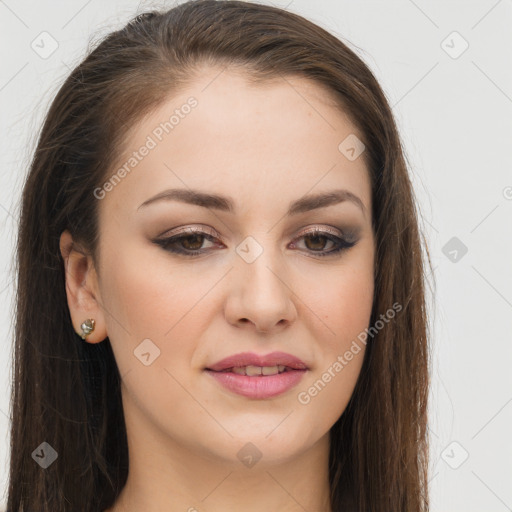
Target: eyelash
x=166, y=243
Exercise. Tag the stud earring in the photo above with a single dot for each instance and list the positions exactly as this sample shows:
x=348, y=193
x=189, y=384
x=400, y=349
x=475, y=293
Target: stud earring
x=87, y=327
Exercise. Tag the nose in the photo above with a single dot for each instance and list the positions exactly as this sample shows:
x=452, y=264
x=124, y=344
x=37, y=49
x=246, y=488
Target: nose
x=260, y=296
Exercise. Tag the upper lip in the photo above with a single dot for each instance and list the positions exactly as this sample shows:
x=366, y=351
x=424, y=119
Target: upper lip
x=251, y=359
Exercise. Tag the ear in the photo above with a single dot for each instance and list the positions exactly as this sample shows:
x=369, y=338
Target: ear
x=82, y=289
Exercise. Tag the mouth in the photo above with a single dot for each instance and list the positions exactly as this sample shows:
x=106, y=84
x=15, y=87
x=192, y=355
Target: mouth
x=258, y=377
x=257, y=371
x=255, y=364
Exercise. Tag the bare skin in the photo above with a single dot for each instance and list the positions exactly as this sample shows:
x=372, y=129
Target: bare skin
x=263, y=146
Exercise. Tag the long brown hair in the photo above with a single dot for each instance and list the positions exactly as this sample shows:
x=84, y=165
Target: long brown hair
x=67, y=392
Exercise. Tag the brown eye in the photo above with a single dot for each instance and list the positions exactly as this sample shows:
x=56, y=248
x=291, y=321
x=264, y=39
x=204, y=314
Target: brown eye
x=192, y=242
x=317, y=242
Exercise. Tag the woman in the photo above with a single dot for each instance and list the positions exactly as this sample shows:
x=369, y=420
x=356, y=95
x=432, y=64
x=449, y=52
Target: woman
x=220, y=296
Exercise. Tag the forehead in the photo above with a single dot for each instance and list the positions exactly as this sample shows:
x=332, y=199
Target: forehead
x=228, y=134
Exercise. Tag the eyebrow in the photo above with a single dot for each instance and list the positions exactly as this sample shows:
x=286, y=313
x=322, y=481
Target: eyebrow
x=222, y=203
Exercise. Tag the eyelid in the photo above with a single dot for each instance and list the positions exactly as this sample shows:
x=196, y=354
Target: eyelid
x=197, y=228
x=193, y=229
x=324, y=229
x=342, y=243
x=200, y=228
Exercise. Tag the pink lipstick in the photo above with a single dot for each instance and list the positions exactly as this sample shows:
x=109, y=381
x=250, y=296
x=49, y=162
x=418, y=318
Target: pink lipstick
x=256, y=376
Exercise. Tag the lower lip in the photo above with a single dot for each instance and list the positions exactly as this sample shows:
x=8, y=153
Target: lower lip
x=258, y=387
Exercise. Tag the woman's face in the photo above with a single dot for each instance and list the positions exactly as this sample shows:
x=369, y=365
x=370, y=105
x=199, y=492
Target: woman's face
x=247, y=276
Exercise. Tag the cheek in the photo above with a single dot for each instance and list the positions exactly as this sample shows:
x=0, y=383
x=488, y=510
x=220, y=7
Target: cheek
x=153, y=301
x=346, y=306
x=151, y=298
x=149, y=301
x=351, y=307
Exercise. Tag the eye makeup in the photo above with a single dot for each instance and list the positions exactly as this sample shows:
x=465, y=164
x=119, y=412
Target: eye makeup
x=189, y=241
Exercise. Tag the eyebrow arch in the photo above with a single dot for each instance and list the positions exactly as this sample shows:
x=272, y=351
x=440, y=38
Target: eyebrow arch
x=222, y=203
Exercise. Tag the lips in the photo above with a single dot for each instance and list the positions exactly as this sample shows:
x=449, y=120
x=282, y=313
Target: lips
x=248, y=359
x=258, y=377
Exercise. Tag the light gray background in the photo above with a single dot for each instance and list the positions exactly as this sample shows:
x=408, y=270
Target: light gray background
x=455, y=115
